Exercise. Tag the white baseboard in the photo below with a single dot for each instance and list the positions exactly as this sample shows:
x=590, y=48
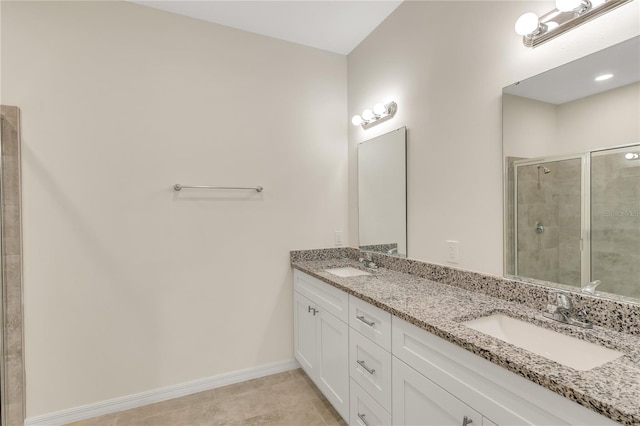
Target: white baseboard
x=157, y=395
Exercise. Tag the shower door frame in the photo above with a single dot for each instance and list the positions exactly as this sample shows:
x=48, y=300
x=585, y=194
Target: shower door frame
x=585, y=208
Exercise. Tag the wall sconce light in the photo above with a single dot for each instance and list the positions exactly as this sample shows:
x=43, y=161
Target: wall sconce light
x=567, y=15
x=380, y=113
x=631, y=156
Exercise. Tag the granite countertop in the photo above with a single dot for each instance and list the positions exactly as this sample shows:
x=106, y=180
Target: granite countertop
x=612, y=389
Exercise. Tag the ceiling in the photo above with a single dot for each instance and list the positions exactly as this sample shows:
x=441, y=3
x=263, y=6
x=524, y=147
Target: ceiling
x=575, y=80
x=336, y=26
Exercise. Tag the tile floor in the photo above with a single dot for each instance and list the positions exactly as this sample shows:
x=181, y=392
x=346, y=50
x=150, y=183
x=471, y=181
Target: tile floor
x=286, y=399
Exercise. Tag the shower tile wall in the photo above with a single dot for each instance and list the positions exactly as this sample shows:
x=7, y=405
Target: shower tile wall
x=615, y=222
x=552, y=200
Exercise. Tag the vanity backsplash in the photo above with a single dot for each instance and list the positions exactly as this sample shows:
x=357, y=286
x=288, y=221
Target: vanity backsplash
x=618, y=315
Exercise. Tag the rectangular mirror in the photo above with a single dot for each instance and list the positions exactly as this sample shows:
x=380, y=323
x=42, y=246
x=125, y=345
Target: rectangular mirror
x=382, y=193
x=571, y=146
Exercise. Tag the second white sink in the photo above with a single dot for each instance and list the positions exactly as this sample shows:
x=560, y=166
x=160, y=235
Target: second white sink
x=566, y=350
x=347, y=272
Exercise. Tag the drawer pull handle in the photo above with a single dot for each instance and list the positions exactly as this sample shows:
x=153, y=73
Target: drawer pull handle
x=369, y=370
x=363, y=420
x=364, y=320
x=466, y=421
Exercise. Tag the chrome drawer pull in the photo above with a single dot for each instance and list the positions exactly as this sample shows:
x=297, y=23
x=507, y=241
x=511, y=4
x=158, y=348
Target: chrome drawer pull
x=466, y=421
x=363, y=420
x=364, y=320
x=369, y=370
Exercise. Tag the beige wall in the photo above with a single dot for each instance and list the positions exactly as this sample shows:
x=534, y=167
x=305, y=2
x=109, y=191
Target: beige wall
x=129, y=286
x=537, y=129
x=445, y=64
x=599, y=121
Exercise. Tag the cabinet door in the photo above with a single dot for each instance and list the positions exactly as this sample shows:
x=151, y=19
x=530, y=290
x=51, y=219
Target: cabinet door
x=304, y=333
x=332, y=365
x=419, y=401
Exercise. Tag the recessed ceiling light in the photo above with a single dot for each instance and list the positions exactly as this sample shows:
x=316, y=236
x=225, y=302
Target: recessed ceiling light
x=604, y=77
x=631, y=156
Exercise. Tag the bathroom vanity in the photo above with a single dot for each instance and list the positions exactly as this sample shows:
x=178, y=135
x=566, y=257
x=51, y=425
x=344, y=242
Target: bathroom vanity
x=388, y=347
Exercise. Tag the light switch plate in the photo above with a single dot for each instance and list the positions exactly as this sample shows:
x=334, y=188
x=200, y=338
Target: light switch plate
x=338, y=239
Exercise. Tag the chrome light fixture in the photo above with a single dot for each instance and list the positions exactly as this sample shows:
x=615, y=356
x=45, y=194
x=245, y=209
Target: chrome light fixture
x=567, y=15
x=631, y=156
x=380, y=113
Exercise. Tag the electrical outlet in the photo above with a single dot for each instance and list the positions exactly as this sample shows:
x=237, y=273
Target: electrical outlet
x=453, y=252
x=338, y=239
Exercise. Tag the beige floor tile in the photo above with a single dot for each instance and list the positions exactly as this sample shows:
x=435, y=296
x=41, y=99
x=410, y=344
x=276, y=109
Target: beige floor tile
x=303, y=414
x=327, y=412
x=107, y=420
x=284, y=399
x=170, y=418
x=295, y=391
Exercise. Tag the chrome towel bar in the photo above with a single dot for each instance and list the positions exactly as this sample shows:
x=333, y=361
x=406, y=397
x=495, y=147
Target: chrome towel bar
x=178, y=187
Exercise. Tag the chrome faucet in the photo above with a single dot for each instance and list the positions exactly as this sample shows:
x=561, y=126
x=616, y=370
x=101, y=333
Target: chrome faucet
x=591, y=287
x=367, y=261
x=563, y=311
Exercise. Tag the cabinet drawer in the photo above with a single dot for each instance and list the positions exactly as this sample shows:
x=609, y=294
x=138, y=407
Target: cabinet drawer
x=370, y=366
x=370, y=321
x=325, y=296
x=364, y=410
x=500, y=395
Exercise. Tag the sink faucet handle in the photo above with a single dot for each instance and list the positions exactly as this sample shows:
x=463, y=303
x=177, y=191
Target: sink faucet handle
x=590, y=288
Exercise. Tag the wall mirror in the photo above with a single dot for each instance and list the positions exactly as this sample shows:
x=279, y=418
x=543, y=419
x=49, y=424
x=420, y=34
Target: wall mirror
x=382, y=193
x=571, y=147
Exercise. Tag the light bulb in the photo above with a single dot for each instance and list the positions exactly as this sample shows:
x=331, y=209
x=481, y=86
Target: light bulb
x=568, y=5
x=357, y=120
x=603, y=77
x=379, y=109
x=367, y=115
x=527, y=23
x=631, y=156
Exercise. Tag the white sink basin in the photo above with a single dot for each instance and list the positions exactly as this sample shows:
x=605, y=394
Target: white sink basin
x=347, y=272
x=566, y=350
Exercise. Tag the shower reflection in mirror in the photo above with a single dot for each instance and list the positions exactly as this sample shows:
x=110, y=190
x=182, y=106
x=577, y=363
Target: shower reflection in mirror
x=576, y=219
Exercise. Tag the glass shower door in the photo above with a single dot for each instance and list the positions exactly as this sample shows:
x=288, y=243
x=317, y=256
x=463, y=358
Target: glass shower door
x=615, y=220
x=548, y=219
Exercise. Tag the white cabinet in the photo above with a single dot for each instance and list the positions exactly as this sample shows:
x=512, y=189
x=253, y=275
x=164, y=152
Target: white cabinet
x=321, y=339
x=332, y=375
x=370, y=366
x=369, y=363
x=304, y=339
x=370, y=321
x=419, y=401
x=365, y=411
x=498, y=394
x=377, y=369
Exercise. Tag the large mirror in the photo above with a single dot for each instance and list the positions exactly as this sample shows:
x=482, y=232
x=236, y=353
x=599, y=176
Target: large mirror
x=382, y=193
x=571, y=146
